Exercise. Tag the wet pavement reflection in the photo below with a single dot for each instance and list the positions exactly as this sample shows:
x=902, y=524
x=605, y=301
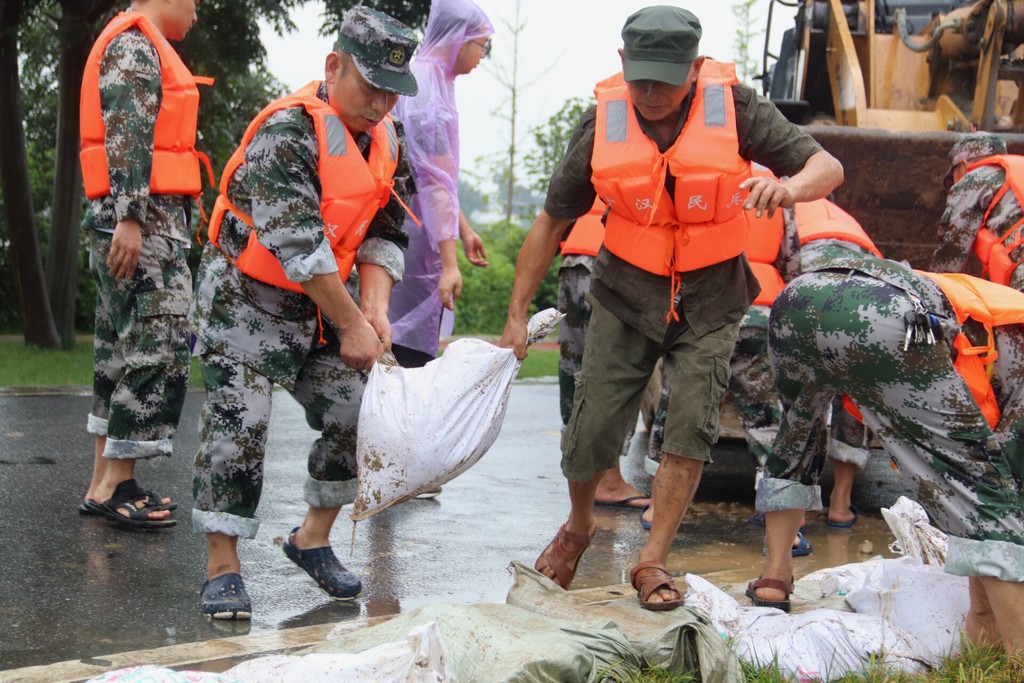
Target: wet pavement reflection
x=77, y=588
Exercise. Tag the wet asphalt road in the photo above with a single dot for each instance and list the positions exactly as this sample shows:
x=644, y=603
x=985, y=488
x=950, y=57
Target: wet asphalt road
x=74, y=587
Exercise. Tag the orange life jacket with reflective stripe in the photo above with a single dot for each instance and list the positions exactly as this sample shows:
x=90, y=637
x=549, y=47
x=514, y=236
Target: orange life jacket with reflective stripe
x=704, y=223
x=353, y=189
x=994, y=250
x=763, y=243
x=176, y=163
x=823, y=220
x=992, y=305
x=587, y=233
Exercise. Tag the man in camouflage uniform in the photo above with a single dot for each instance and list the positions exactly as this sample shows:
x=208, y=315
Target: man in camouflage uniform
x=969, y=201
x=138, y=260
x=318, y=343
x=573, y=285
x=842, y=329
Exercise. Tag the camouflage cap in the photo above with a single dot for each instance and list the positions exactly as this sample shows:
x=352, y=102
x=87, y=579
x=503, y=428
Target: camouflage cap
x=659, y=44
x=971, y=147
x=381, y=48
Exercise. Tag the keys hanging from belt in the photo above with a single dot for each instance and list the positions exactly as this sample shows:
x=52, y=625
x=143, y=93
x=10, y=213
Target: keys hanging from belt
x=920, y=326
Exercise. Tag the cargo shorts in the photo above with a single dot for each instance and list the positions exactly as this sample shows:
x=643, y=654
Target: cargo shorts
x=617, y=363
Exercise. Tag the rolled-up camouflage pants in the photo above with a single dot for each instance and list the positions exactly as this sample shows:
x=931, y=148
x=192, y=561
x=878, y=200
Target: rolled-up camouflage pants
x=754, y=399
x=573, y=285
x=831, y=332
x=141, y=358
x=228, y=471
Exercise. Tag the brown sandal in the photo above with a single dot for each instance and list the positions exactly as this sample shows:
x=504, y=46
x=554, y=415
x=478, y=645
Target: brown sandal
x=649, y=577
x=784, y=586
x=563, y=555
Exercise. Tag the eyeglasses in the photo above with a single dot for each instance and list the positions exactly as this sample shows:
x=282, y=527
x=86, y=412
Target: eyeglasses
x=485, y=46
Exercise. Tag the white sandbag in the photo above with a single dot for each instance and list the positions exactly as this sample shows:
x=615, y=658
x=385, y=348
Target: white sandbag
x=922, y=600
x=422, y=427
x=421, y=658
x=915, y=537
x=820, y=645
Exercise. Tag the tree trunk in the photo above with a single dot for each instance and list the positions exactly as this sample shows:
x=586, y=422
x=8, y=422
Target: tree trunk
x=62, y=261
x=21, y=223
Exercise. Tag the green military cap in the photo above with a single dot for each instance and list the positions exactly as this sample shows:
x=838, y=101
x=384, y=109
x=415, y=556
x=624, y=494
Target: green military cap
x=660, y=43
x=971, y=147
x=381, y=47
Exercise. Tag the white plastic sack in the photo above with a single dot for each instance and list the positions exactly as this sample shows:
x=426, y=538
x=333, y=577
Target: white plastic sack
x=921, y=599
x=422, y=427
x=915, y=537
x=421, y=658
x=820, y=645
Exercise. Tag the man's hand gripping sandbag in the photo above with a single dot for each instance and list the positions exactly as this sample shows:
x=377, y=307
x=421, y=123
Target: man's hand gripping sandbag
x=422, y=427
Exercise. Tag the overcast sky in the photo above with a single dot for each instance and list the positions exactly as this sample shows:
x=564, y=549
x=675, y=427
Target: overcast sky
x=565, y=47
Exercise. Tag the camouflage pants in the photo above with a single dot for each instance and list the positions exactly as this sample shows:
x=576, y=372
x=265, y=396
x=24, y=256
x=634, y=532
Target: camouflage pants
x=141, y=358
x=756, y=403
x=228, y=470
x=573, y=285
x=831, y=332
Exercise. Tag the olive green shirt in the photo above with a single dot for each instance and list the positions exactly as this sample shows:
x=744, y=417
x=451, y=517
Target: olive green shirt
x=709, y=297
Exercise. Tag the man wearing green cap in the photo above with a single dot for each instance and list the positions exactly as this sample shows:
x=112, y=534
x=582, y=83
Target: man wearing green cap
x=668, y=148
x=316, y=188
x=983, y=211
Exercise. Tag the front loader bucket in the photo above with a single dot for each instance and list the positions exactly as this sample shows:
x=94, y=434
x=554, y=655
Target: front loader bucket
x=893, y=184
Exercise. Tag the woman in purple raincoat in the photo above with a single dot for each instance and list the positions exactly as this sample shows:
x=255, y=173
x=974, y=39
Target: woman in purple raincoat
x=457, y=38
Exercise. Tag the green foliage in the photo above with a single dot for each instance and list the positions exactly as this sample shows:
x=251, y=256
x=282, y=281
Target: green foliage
x=483, y=306
x=551, y=140
x=746, y=65
x=411, y=12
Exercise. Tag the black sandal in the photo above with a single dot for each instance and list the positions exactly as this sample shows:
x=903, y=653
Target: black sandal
x=125, y=497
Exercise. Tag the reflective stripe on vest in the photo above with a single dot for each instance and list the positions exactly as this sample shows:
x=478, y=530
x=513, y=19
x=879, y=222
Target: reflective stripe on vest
x=353, y=189
x=587, y=232
x=994, y=250
x=176, y=163
x=704, y=223
x=823, y=220
x=992, y=305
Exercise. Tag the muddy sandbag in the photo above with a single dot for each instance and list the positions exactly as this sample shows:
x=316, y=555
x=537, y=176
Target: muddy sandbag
x=679, y=641
x=505, y=644
x=422, y=427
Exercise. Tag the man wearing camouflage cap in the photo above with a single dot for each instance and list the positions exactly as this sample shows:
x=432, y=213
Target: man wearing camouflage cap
x=671, y=280
x=316, y=188
x=983, y=211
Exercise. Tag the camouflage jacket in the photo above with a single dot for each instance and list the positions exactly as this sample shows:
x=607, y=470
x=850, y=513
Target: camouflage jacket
x=966, y=205
x=269, y=328
x=130, y=96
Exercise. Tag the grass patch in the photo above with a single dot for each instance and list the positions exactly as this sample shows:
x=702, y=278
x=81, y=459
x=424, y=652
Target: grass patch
x=539, y=363
x=28, y=366
x=973, y=665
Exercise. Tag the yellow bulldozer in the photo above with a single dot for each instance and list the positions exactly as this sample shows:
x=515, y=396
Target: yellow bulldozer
x=887, y=86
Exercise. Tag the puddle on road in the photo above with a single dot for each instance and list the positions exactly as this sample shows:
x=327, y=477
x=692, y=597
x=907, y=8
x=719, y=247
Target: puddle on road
x=715, y=539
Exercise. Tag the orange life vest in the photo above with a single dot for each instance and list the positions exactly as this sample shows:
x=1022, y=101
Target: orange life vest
x=992, y=305
x=353, y=189
x=587, y=233
x=176, y=162
x=993, y=250
x=763, y=243
x=823, y=220
x=705, y=223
